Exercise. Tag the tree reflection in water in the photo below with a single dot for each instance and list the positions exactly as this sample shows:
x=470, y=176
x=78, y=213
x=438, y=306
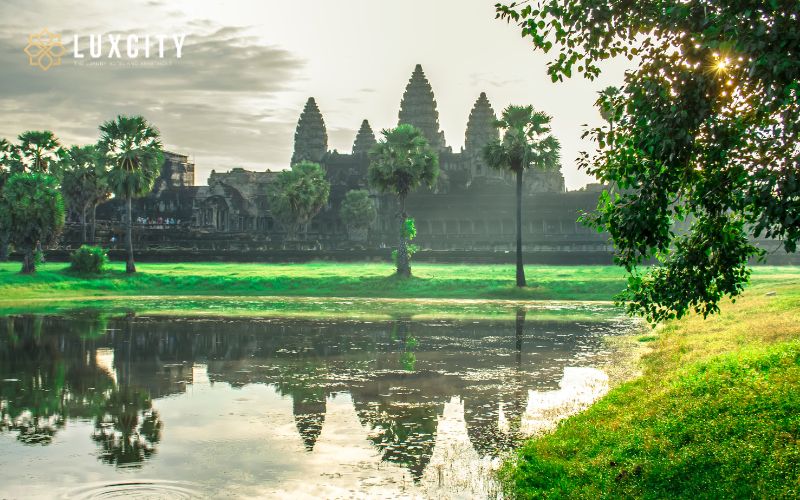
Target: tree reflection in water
x=399, y=374
x=50, y=378
x=127, y=428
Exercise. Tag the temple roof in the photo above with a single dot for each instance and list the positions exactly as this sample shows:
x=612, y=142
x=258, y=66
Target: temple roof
x=311, y=137
x=480, y=126
x=365, y=139
x=418, y=108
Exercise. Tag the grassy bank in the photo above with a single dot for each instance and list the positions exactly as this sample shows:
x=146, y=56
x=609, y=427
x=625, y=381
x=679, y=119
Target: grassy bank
x=715, y=415
x=434, y=281
x=326, y=279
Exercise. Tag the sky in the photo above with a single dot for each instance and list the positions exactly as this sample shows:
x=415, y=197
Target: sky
x=247, y=67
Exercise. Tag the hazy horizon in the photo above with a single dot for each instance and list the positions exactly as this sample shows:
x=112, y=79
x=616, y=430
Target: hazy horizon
x=247, y=68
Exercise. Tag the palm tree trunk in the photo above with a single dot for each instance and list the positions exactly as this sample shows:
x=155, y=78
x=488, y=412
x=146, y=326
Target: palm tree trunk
x=94, y=222
x=130, y=267
x=403, y=264
x=83, y=225
x=520, y=269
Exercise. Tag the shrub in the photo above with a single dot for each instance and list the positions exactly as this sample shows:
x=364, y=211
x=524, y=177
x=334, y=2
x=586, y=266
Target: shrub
x=89, y=260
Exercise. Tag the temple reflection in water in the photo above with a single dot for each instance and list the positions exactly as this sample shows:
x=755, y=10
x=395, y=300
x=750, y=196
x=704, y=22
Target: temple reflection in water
x=401, y=388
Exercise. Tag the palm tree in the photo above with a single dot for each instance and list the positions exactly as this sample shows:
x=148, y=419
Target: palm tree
x=131, y=150
x=78, y=177
x=526, y=143
x=7, y=151
x=401, y=162
x=32, y=211
x=38, y=151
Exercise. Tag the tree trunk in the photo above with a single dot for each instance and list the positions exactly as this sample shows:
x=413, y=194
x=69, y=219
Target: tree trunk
x=94, y=223
x=29, y=261
x=403, y=264
x=520, y=269
x=3, y=247
x=83, y=225
x=130, y=267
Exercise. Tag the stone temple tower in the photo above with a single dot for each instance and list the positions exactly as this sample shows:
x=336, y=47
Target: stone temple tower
x=365, y=139
x=310, y=137
x=418, y=108
x=480, y=131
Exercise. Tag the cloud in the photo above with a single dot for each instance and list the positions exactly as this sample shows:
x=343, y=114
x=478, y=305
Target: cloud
x=216, y=102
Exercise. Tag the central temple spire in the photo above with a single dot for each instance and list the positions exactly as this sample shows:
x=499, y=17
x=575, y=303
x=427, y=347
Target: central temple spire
x=480, y=131
x=480, y=126
x=418, y=108
x=364, y=140
x=310, y=138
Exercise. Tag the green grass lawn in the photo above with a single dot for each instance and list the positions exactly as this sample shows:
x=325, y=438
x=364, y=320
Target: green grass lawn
x=716, y=413
x=318, y=279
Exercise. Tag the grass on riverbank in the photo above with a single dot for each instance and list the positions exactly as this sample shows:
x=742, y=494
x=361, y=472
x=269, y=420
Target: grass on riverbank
x=316, y=279
x=715, y=415
x=330, y=279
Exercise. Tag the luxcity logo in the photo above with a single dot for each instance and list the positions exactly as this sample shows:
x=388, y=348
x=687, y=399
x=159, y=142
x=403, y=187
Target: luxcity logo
x=45, y=49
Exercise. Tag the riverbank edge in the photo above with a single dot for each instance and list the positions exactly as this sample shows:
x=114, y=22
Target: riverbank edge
x=715, y=413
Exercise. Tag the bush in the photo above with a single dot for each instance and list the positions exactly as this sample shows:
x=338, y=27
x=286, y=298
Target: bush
x=88, y=260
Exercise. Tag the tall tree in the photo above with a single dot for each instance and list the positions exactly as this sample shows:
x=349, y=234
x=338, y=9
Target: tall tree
x=7, y=152
x=32, y=211
x=38, y=151
x=98, y=188
x=357, y=211
x=401, y=162
x=707, y=132
x=131, y=150
x=78, y=177
x=525, y=143
x=297, y=195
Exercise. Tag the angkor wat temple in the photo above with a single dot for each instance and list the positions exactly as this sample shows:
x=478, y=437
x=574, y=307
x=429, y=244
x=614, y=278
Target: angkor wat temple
x=470, y=208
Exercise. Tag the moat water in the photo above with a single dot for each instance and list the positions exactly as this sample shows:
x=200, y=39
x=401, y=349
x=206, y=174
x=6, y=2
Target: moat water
x=117, y=404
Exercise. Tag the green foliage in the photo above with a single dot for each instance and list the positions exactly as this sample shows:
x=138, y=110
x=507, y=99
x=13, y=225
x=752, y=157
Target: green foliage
x=409, y=229
x=525, y=141
x=88, y=260
x=358, y=211
x=82, y=179
x=705, y=129
x=6, y=164
x=39, y=151
x=31, y=210
x=402, y=161
x=411, y=249
x=6, y=160
x=130, y=148
x=297, y=195
x=409, y=232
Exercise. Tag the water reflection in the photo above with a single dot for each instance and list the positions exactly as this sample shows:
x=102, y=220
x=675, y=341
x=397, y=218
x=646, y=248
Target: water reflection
x=418, y=390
